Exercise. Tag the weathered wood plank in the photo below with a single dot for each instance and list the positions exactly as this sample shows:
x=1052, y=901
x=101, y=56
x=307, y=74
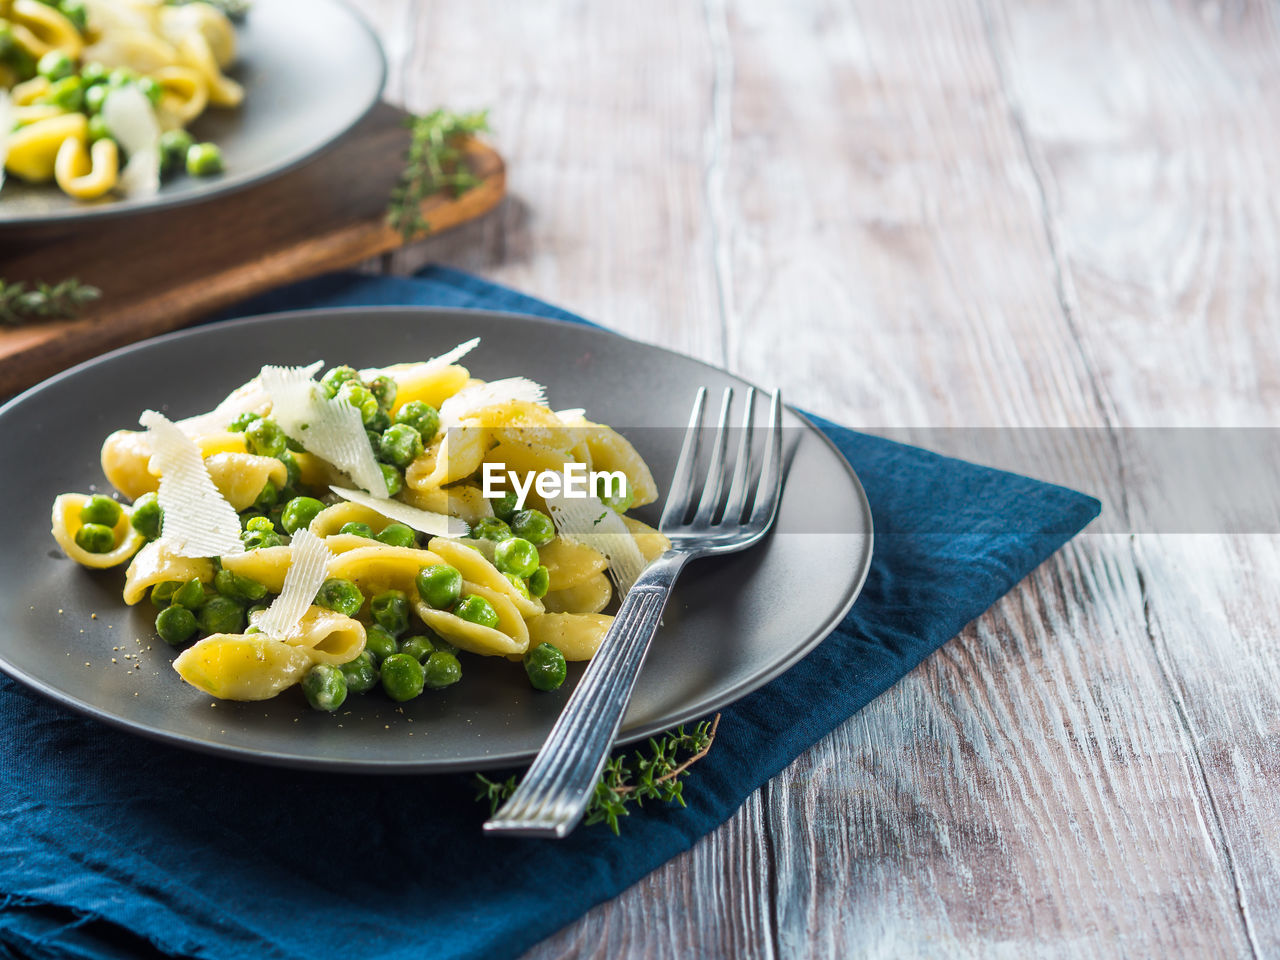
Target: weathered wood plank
x=932, y=214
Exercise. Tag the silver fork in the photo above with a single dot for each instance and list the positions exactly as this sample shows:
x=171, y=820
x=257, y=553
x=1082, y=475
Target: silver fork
x=555, y=792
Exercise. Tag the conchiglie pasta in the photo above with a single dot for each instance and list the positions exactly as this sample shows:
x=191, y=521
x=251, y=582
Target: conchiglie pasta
x=376, y=567
x=66, y=522
x=232, y=666
x=463, y=500
x=576, y=635
x=267, y=565
x=569, y=563
x=240, y=477
x=611, y=451
x=476, y=569
x=590, y=596
x=126, y=455
x=456, y=455
x=84, y=174
x=510, y=637
x=328, y=636
x=332, y=519
x=33, y=150
x=184, y=95
x=426, y=384
x=50, y=29
x=156, y=564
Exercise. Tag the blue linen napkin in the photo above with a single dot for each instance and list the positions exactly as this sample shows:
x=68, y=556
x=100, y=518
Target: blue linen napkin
x=111, y=845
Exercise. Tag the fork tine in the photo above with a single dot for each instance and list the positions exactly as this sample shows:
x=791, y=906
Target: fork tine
x=714, y=486
x=681, y=494
x=737, y=499
x=770, y=486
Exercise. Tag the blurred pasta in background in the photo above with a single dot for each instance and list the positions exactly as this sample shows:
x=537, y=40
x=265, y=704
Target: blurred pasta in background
x=97, y=95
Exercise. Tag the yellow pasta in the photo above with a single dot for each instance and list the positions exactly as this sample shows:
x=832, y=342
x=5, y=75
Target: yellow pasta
x=514, y=587
x=66, y=521
x=160, y=66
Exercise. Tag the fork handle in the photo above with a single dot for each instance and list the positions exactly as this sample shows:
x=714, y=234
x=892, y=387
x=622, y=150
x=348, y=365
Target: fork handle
x=554, y=793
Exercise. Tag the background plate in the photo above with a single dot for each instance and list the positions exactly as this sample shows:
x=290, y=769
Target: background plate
x=310, y=71
x=733, y=623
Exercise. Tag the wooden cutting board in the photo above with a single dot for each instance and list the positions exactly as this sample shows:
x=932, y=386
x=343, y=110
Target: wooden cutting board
x=161, y=271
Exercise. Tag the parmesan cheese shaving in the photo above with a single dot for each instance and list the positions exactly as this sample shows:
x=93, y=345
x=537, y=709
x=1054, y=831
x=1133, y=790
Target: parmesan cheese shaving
x=574, y=416
x=250, y=398
x=478, y=396
x=198, y=521
x=445, y=359
x=588, y=521
x=329, y=428
x=434, y=524
x=128, y=115
x=308, y=567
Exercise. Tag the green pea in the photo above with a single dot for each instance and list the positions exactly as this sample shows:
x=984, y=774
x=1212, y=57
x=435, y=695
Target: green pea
x=221, y=615
x=441, y=670
x=189, y=595
x=545, y=666
x=147, y=517
x=96, y=538
x=238, y=587
x=393, y=478
x=162, y=593
x=93, y=73
x=390, y=611
x=402, y=677
x=55, y=65
x=401, y=444
x=76, y=12
x=292, y=472
x=67, y=93
x=539, y=582
x=418, y=647
x=335, y=378
x=478, y=610
x=439, y=586
x=299, y=512
x=174, y=145
x=264, y=438
x=397, y=535
x=93, y=97
x=325, y=687
x=504, y=507
x=534, y=526
x=521, y=587
x=242, y=421
x=516, y=555
x=152, y=90
x=204, y=160
x=267, y=498
x=379, y=643
x=357, y=394
x=379, y=423
x=100, y=509
x=259, y=533
x=98, y=129
x=621, y=502
x=491, y=528
x=423, y=417
x=340, y=595
x=361, y=673
x=384, y=388
x=121, y=77
x=175, y=625
x=15, y=54
x=357, y=529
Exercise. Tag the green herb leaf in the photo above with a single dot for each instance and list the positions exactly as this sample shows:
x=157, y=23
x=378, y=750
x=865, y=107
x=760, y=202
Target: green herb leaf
x=21, y=304
x=656, y=775
x=435, y=162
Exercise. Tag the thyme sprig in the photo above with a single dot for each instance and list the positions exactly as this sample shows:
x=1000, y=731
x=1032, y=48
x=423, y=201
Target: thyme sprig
x=435, y=162
x=20, y=303
x=657, y=774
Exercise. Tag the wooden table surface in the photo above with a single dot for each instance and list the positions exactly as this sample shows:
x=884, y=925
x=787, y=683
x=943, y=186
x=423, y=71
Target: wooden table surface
x=939, y=213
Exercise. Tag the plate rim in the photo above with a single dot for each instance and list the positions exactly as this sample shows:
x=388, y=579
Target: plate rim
x=125, y=207
x=356, y=765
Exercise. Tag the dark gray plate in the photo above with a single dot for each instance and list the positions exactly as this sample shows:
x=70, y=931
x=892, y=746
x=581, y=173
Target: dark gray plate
x=310, y=72
x=733, y=623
